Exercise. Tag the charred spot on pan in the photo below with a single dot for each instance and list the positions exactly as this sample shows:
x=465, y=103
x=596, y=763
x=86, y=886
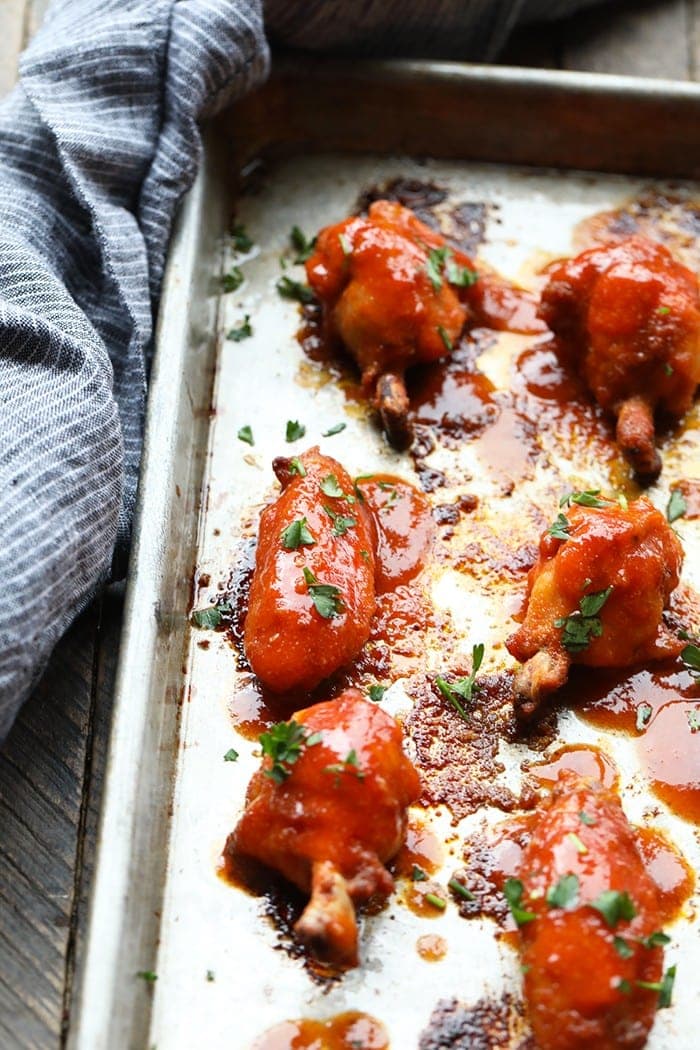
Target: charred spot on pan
x=464, y=226
x=236, y=595
x=485, y=1025
x=420, y=197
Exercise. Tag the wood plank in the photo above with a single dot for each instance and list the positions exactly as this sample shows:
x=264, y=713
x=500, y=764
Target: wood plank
x=647, y=39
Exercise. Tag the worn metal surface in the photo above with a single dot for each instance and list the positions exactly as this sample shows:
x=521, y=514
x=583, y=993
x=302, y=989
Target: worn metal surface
x=184, y=921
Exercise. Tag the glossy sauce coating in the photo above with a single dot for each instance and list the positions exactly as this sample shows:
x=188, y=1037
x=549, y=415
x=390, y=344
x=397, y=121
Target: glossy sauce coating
x=573, y=968
x=337, y=818
x=628, y=317
x=347, y=1031
x=404, y=526
x=289, y=643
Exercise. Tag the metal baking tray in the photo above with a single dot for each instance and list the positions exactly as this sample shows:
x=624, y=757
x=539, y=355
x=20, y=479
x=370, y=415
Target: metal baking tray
x=523, y=140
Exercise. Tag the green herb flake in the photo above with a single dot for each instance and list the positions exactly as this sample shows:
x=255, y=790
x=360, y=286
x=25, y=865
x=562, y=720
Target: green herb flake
x=417, y=874
x=690, y=655
x=327, y=599
x=244, y=330
x=297, y=467
x=304, y=248
x=576, y=842
x=211, y=976
x=231, y=755
x=460, y=276
x=376, y=692
x=461, y=891
x=294, y=290
x=579, y=627
x=586, y=498
x=240, y=239
x=463, y=688
x=664, y=987
x=587, y=819
x=663, y=310
x=434, y=265
x=564, y=893
x=337, y=428
x=147, y=975
x=559, y=528
x=644, y=713
x=284, y=743
x=341, y=522
x=622, y=947
x=676, y=507
x=668, y=369
x=435, y=901
x=330, y=487
x=623, y=986
x=447, y=342
x=693, y=716
x=614, y=905
x=212, y=616
x=232, y=280
x=296, y=535
x=246, y=434
x=513, y=893
x=294, y=430
x=657, y=939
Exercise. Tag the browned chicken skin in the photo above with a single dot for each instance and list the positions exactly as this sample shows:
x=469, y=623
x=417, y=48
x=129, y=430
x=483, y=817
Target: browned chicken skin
x=388, y=285
x=331, y=818
x=628, y=317
x=593, y=908
x=596, y=595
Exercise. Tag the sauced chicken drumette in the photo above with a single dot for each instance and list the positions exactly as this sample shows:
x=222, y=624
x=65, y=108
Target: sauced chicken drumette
x=596, y=594
x=328, y=810
x=389, y=288
x=628, y=317
x=589, y=924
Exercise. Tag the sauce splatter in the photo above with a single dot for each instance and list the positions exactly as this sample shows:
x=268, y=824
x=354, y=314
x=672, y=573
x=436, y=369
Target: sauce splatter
x=586, y=760
x=431, y=947
x=405, y=528
x=346, y=1031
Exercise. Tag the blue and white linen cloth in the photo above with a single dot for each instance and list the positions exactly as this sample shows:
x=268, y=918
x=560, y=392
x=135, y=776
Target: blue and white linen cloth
x=98, y=143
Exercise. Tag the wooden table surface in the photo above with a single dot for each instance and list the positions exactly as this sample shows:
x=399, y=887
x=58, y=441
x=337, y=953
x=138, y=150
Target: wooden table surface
x=51, y=768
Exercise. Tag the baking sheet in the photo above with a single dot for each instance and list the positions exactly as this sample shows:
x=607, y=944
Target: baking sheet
x=202, y=926
x=262, y=382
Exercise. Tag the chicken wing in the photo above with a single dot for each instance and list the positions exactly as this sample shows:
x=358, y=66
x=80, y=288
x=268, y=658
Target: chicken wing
x=628, y=317
x=596, y=594
x=328, y=809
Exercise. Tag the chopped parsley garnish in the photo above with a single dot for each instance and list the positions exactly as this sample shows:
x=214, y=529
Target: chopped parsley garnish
x=294, y=430
x=417, y=874
x=289, y=289
x=657, y=939
x=513, y=893
x=211, y=976
x=560, y=527
x=461, y=276
x=337, y=428
x=376, y=692
x=624, y=986
x=644, y=713
x=463, y=687
x=304, y=248
x=587, y=498
x=437, y=902
x=233, y=279
x=345, y=244
x=330, y=487
x=211, y=617
x=456, y=886
x=436, y=260
x=576, y=842
x=693, y=716
x=676, y=507
x=587, y=819
x=231, y=755
x=668, y=369
x=244, y=330
x=348, y=765
x=297, y=535
x=579, y=627
x=664, y=987
x=623, y=948
x=297, y=467
x=341, y=522
x=445, y=338
x=284, y=743
x=246, y=434
x=147, y=975
x=663, y=310
x=690, y=655
x=327, y=599
x=614, y=905
x=564, y=893
x=240, y=239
